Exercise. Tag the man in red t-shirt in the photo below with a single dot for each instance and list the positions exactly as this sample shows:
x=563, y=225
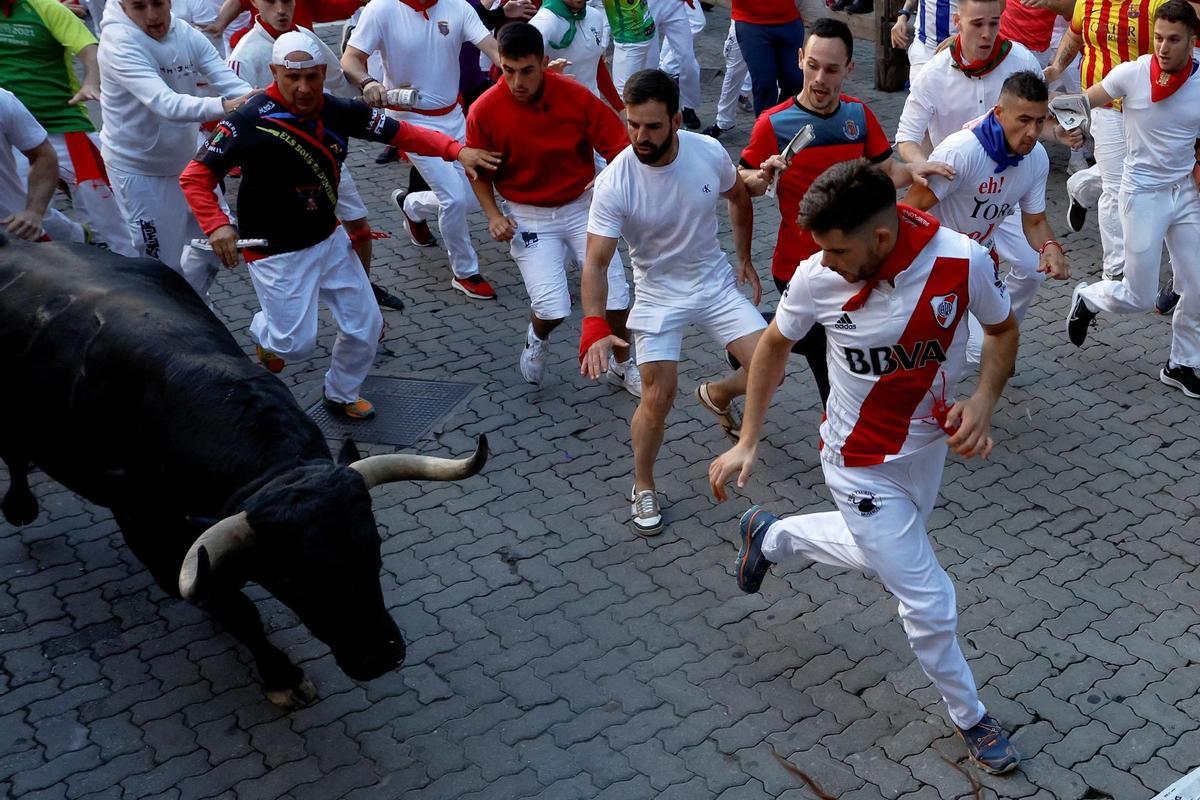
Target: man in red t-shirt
x=770, y=34
x=845, y=130
x=547, y=128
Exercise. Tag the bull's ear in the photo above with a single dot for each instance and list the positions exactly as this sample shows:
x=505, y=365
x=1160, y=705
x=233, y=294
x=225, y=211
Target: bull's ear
x=348, y=454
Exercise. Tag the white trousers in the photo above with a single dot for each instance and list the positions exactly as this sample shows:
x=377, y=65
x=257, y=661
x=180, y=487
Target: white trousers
x=1022, y=279
x=673, y=23
x=631, y=58
x=450, y=198
x=547, y=240
x=92, y=197
x=1108, y=133
x=1086, y=187
x=918, y=56
x=1152, y=218
x=289, y=286
x=735, y=83
x=162, y=226
x=350, y=206
x=879, y=528
x=668, y=61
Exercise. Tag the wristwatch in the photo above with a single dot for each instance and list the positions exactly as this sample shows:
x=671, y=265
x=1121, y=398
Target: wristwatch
x=367, y=81
x=906, y=12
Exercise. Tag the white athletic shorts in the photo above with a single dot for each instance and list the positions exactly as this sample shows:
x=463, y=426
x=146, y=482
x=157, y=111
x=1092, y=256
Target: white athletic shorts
x=658, y=330
x=350, y=206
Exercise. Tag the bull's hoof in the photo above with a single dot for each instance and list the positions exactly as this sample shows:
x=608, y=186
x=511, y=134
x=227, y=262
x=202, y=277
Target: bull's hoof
x=19, y=508
x=294, y=698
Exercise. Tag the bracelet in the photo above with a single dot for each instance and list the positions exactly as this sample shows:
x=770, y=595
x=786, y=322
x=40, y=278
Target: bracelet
x=905, y=12
x=365, y=82
x=1054, y=242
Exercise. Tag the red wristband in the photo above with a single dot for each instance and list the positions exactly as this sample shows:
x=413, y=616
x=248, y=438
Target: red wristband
x=1054, y=242
x=594, y=329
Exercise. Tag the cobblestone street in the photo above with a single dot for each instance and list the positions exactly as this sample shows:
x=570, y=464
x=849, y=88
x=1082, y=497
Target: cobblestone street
x=554, y=654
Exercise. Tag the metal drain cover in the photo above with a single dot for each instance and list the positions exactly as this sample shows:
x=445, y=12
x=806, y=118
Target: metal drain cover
x=405, y=410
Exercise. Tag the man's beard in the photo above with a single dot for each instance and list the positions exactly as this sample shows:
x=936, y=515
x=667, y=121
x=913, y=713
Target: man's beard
x=654, y=155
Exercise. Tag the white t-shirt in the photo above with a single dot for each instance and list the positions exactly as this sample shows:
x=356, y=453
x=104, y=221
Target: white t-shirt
x=905, y=347
x=420, y=52
x=668, y=216
x=1160, y=137
x=18, y=129
x=978, y=199
x=251, y=60
x=942, y=98
x=585, y=50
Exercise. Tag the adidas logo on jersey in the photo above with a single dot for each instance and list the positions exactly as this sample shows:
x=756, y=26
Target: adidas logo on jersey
x=844, y=323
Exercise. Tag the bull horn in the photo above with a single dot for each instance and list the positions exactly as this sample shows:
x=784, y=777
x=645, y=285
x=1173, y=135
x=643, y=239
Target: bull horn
x=227, y=536
x=377, y=470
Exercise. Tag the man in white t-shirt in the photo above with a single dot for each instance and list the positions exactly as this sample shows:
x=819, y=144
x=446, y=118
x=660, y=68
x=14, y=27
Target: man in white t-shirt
x=578, y=33
x=1000, y=170
x=251, y=60
x=892, y=288
x=661, y=196
x=23, y=203
x=961, y=84
x=152, y=66
x=420, y=41
x=1160, y=96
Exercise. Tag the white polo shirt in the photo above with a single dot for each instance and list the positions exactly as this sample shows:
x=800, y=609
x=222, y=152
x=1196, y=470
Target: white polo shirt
x=668, y=217
x=1160, y=137
x=420, y=49
x=978, y=199
x=20, y=131
x=942, y=98
x=905, y=347
x=585, y=50
x=251, y=60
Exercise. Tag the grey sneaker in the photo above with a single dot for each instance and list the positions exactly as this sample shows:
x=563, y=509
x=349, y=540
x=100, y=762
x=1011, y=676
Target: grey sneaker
x=533, y=357
x=646, y=514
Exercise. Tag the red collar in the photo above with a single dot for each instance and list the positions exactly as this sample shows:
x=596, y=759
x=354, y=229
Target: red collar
x=274, y=34
x=273, y=92
x=1165, y=84
x=913, y=231
x=420, y=5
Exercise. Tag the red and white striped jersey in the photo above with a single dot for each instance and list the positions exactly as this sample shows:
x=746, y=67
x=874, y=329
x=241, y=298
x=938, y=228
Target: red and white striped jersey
x=896, y=355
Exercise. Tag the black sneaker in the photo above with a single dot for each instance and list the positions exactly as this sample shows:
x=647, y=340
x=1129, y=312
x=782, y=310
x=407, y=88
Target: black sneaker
x=1076, y=214
x=1182, y=378
x=714, y=131
x=1167, y=299
x=387, y=155
x=386, y=299
x=690, y=120
x=1081, y=317
x=989, y=748
x=751, y=565
x=860, y=7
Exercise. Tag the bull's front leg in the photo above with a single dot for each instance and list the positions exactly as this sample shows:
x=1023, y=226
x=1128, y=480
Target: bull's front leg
x=19, y=505
x=283, y=682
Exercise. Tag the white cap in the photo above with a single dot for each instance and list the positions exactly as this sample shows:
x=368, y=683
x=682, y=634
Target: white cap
x=296, y=42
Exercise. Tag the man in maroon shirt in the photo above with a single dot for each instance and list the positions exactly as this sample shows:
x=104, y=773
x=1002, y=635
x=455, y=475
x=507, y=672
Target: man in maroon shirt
x=547, y=128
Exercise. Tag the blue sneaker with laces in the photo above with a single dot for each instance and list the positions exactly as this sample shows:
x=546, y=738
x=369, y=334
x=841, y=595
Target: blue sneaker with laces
x=751, y=566
x=989, y=748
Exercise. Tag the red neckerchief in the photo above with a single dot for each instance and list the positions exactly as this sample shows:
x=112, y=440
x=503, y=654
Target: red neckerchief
x=977, y=69
x=913, y=231
x=274, y=34
x=420, y=5
x=1165, y=84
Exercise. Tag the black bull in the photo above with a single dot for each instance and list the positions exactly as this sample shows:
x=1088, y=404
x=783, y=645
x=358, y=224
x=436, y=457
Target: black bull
x=121, y=385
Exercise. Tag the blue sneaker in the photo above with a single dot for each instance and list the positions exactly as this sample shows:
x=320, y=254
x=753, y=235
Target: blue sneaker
x=751, y=566
x=989, y=748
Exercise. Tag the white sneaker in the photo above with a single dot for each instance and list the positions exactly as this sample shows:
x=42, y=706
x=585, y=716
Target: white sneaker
x=645, y=512
x=626, y=375
x=533, y=357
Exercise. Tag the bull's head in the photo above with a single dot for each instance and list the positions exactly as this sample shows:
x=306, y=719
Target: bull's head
x=309, y=537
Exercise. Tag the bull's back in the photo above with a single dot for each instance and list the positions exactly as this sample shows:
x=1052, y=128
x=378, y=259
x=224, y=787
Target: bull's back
x=120, y=381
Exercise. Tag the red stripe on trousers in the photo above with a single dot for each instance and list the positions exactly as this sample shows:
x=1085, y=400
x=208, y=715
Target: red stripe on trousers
x=887, y=411
x=85, y=158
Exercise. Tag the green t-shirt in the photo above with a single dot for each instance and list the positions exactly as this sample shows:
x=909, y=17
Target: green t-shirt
x=38, y=40
x=630, y=20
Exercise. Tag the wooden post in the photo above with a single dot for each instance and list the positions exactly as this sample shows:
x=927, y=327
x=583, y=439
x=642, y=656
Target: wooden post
x=891, y=64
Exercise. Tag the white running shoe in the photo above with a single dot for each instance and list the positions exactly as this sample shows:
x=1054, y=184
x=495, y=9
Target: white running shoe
x=533, y=357
x=645, y=512
x=626, y=375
